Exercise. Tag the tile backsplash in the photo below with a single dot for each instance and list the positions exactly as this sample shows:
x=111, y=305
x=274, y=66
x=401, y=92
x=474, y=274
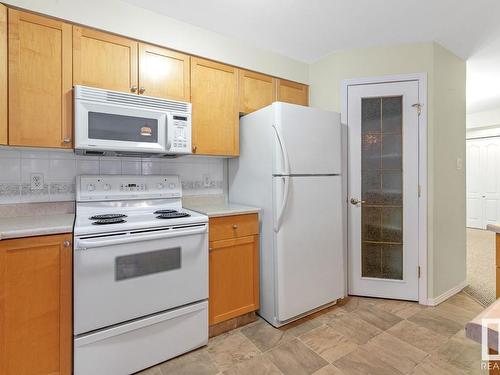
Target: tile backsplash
x=48, y=175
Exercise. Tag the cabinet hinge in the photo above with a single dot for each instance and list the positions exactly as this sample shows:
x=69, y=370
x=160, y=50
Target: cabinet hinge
x=418, y=271
x=418, y=106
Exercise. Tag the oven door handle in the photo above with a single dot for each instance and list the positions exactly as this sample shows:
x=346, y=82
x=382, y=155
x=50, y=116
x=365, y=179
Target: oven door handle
x=84, y=244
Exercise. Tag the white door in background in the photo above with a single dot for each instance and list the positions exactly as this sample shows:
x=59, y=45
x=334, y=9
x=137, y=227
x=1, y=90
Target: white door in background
x=383, y=190
x=483, y=182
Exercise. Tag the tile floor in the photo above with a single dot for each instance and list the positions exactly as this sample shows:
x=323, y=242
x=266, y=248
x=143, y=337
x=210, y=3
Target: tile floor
x=358, y=336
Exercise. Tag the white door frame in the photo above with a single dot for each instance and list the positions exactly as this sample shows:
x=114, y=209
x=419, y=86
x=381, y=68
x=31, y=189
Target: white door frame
x=422, y=169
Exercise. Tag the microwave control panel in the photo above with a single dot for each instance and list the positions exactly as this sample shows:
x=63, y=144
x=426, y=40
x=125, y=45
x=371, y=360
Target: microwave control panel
x=179, y=134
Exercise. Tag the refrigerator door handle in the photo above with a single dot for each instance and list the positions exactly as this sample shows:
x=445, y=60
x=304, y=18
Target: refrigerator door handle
x=286, y=186
x=284, y=153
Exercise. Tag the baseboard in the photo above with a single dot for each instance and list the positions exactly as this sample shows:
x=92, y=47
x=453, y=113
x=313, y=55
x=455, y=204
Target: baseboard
x=449, y=293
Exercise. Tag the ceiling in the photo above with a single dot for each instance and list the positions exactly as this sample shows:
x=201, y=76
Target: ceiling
x=307, y=30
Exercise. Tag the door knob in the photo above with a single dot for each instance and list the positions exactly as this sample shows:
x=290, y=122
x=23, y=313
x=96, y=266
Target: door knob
x=133, y=88
x=356, y=202
x=142, y=90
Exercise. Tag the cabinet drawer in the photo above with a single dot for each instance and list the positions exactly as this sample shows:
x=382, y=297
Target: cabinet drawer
x=225, y=227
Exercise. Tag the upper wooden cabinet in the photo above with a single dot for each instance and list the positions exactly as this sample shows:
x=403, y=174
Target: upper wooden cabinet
x=214, y=94
x=255, y=91
x=164, y=73
x=104, y=60
x=3, y=75
x=40, y=97
x=35, y=305
x=292, y=92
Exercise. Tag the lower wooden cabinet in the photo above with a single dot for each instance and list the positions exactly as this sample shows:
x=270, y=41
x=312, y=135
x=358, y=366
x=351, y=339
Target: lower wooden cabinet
x=35, y=305
x=234, y=271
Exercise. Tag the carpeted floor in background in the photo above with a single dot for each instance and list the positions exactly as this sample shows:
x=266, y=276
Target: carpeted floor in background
x=481, y=269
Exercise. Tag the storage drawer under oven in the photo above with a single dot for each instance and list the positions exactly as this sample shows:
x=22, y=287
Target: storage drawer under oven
x=134, y=346
x=121, y=277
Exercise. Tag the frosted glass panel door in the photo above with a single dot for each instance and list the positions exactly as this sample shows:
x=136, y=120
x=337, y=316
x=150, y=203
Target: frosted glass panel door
x=483, y=182
x=382, y=187
x=383, y=190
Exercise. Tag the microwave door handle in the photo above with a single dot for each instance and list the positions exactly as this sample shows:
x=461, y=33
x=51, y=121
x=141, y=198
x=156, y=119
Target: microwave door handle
x=169, y=130
x=84, y=244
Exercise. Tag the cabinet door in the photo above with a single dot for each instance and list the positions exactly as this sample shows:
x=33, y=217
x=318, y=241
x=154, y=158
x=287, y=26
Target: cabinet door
x=214, y=94
x=256, y=91
x=40, y=97
x=3, y=74
x=35, y=305
x=104, y=60
x=164, y=73
x=234, y=278
x=292, y=92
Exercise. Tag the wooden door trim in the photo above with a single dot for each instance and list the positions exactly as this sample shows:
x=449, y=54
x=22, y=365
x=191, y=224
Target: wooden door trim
x=144, y=48
x=3, y=75
x=66, y=115
x=80, y=31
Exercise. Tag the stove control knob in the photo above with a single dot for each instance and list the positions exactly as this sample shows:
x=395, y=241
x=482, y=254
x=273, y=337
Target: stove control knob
x=107, y=187
x=159, y=186
x=90, y=187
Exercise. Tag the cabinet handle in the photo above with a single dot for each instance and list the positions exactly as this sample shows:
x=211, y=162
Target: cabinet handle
x=235, y=226
x=142, y=90
x=133, y=88
x=194, y=148
x=66, y=140
x=66, y=243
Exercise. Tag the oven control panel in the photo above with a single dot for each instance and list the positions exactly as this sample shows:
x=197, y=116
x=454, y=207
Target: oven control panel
x=99, y=188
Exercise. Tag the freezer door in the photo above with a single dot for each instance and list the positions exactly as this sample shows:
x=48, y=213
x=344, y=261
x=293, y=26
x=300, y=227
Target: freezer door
x=307, y=140
x=308, y=243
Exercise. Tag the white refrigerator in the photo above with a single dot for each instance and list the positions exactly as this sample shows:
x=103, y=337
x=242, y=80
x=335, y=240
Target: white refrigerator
x=290, y=166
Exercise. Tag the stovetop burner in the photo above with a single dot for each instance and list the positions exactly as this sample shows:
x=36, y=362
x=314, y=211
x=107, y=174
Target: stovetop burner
x=173, y=215
x=107, y=216
x=161, y=212
x=116, y=220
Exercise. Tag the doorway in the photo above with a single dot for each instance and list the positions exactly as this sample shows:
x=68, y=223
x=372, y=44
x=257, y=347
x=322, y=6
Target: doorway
x=384, y=188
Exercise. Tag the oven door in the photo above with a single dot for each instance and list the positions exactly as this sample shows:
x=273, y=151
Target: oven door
x=119, y=128
x=123, y=276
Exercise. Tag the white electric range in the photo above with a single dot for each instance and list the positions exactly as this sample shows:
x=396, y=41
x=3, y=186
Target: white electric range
x=140, y=274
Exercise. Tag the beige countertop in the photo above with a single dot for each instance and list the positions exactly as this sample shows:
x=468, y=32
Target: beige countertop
x=494, y=228
x=222, y=209
x=28, y=226
x=474, y=328
x=216, y=205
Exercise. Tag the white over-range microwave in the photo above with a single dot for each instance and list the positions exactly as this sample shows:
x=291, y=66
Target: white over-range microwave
x=115, y=123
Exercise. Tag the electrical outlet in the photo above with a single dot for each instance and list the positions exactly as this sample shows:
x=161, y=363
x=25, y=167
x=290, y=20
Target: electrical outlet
x=206, y=180
x=36, y=181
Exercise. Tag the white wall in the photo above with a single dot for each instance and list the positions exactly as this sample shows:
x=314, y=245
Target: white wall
x=446, y=138
x=59, y=168
x=129, y=20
